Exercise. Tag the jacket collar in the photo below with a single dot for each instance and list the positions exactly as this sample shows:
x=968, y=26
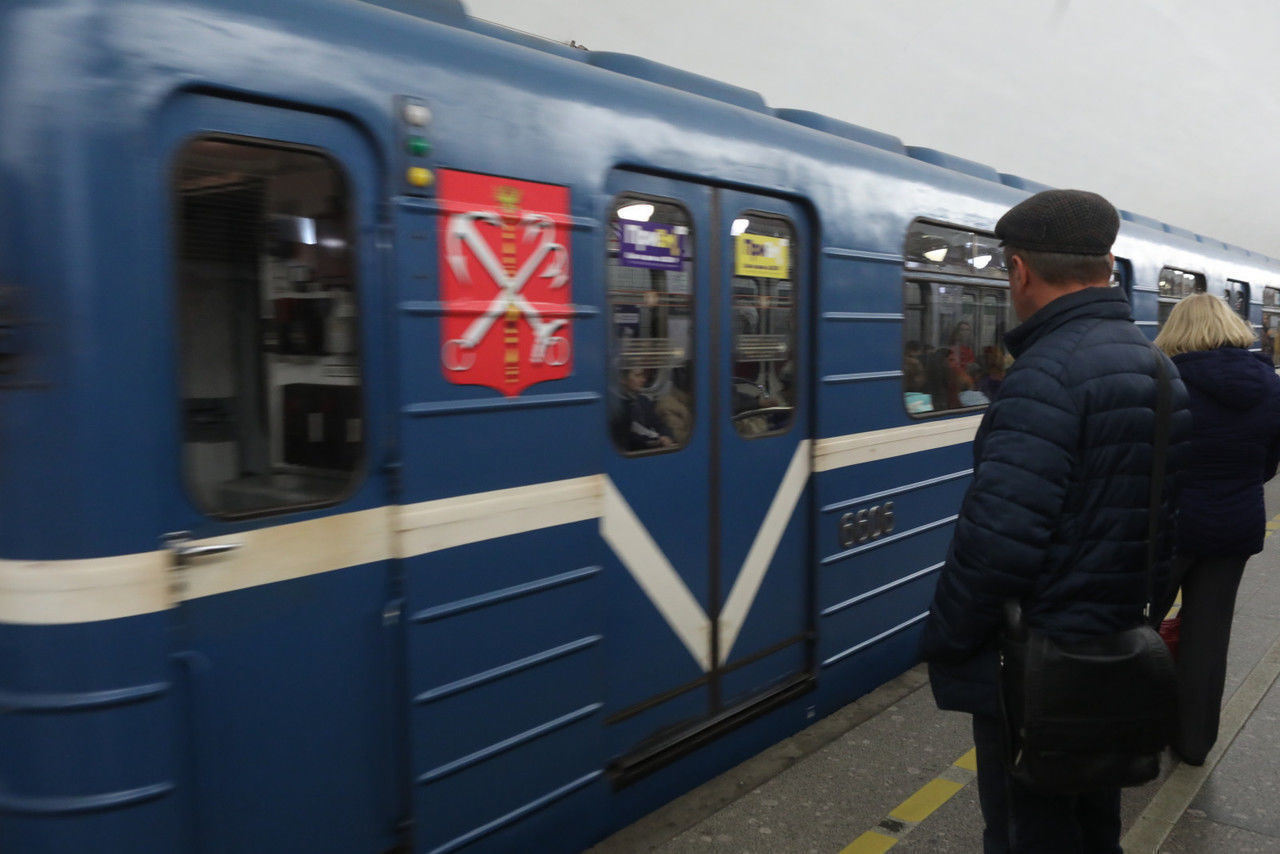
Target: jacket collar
x=1099, y=301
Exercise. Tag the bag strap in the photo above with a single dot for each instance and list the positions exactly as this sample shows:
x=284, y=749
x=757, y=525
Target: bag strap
x=1160, y=448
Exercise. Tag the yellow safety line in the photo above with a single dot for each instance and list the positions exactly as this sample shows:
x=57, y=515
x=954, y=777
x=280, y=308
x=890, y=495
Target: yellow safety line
x=932, y=795
x=903, y=818
x=870, y=843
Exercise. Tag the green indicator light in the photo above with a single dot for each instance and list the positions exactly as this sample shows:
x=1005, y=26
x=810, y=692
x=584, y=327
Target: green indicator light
x=418, y=146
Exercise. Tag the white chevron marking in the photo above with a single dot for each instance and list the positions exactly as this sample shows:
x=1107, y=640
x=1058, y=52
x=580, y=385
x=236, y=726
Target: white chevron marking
x=642, y=557
x=751, y=576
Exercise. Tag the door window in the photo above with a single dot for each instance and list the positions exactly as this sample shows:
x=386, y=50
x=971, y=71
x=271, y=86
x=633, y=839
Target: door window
x=763, y=396
x=269, y=351
x=650, y=281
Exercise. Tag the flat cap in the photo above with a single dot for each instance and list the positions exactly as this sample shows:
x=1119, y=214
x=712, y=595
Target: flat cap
x=1073, y=222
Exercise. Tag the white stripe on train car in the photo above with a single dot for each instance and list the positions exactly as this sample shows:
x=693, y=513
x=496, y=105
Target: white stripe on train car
x=288, y=552
x=50, y=592
x=843, y=451
x=457, y=521
x=76, y=591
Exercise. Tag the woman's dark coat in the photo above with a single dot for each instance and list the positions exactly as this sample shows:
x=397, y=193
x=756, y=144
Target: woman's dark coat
x=1057, y=513
x=1235, y=447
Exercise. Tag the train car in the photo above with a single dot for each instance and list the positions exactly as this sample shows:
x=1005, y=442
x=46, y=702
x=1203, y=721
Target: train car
x=417, y=436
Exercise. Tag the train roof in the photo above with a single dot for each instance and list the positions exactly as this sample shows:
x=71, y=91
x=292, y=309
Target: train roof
x=453, y=13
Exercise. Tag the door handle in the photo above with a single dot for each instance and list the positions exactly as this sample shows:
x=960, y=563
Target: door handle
x=184, y=554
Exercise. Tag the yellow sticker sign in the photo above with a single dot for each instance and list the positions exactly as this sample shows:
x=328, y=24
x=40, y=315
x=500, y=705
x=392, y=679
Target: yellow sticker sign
x=761, y=257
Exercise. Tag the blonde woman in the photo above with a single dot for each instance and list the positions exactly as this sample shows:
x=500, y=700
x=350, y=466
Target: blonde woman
x=1235, y=447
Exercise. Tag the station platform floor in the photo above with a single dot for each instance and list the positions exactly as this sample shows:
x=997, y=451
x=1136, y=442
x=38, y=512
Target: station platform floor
x=890, y=772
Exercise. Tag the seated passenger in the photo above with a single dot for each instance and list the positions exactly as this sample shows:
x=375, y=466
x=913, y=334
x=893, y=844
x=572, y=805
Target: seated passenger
x=637, y=425
x=993, y=359
x=941, y=380
x=972, y=394
x=961, y=345
x=675, y=407
x=913, y=378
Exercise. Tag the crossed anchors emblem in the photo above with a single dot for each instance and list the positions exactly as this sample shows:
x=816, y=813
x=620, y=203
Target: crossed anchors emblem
x=548, y=259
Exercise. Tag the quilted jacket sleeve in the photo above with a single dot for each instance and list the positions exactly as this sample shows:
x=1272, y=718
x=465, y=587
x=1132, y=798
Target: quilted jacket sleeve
x=1023, y=466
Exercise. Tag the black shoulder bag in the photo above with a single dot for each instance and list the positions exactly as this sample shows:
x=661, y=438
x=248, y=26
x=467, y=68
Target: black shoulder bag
x=1094, y=714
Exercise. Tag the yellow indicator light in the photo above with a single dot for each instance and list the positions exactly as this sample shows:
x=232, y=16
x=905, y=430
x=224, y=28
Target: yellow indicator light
x=419, y=177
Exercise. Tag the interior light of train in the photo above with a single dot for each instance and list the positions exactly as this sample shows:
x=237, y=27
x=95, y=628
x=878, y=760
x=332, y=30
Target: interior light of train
x=636, y=213
x=981, y=261
x=936, y=255
x=739, y=226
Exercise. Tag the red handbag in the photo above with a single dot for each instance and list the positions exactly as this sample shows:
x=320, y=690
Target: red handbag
x=1170, y=629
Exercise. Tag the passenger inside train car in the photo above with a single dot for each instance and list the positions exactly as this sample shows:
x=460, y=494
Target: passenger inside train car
x=638, y=426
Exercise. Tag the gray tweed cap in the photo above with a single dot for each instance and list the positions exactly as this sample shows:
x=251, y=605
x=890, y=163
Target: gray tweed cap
x=1072, y=222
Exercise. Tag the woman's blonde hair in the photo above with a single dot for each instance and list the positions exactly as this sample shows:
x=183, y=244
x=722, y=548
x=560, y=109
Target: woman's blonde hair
x=1203, y=322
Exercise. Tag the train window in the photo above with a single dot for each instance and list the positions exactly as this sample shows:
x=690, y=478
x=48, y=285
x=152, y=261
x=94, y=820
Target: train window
x=945, y=249
x=1271, y=324
x=650, y=283
x=954, y=320
x=269, y=355
x=1122, y=275
x=1237, y=296
x=1174, y=285
x=763, y=393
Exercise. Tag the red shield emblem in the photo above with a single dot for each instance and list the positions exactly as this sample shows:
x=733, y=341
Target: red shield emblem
x=504, y=281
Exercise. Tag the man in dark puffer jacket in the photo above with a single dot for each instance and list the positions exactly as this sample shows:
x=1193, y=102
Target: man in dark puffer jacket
x=1057, y=513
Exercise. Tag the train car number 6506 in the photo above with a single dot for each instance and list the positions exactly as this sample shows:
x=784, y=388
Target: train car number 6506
x=857, y=527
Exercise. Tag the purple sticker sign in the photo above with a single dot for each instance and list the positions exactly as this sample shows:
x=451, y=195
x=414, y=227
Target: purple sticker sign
x=652, y=245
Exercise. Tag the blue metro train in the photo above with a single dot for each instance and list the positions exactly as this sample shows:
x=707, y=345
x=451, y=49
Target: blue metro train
x=418, y=436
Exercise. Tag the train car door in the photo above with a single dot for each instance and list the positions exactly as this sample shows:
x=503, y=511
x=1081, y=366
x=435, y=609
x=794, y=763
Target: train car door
x=708, y=474
x=277, y=521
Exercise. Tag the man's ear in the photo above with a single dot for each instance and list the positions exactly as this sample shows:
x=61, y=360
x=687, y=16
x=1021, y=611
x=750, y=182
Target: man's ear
x=1017, y=271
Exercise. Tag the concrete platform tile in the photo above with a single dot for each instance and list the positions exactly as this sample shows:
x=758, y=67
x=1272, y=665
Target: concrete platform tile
x=1251, y=637
x=1261, y=599
x=1243, y=789
x=1196, y=834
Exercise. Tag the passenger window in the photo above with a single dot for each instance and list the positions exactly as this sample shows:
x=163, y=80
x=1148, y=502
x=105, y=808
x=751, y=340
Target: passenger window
x=650, y=284
x=954, y=320
x=269, y=350
x=1121, y=276
x=1174, y=285
x=763, y=392
x=1271, y=324
x=1237, y=296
